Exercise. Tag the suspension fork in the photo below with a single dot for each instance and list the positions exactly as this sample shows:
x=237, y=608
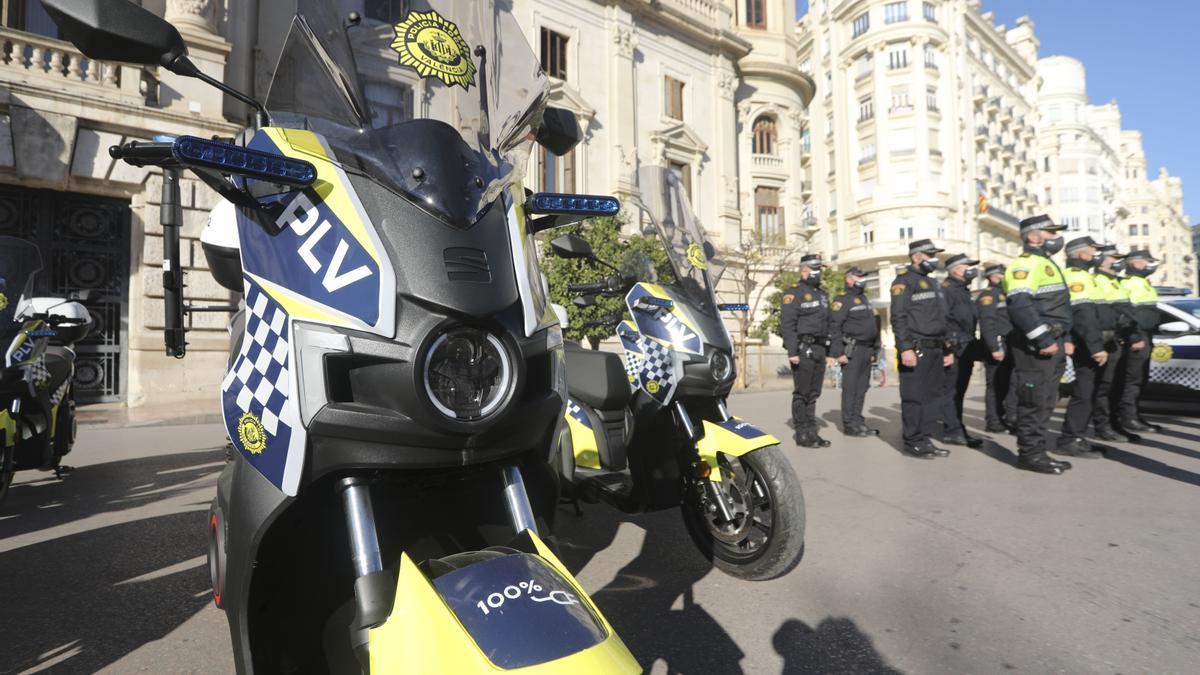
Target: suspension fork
x=374, y=587
x=716, y=498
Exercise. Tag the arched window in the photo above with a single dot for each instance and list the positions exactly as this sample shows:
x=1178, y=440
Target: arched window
x=764, y=136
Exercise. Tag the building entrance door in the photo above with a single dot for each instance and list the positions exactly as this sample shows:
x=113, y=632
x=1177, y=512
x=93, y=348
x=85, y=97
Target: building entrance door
x=84, y=242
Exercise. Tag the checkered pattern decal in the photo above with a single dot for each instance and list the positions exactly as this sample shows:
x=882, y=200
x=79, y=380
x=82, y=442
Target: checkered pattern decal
x=576, y=413
x=657, y=373
x=260, y=383
x=37, y=373
x=633, y=354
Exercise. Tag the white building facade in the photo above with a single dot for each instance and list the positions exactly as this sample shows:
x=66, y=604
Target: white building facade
x=1153, y=216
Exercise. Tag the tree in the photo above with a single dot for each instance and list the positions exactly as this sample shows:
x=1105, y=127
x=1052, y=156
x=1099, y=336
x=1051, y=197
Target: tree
x=604, y=234
x=753, y=269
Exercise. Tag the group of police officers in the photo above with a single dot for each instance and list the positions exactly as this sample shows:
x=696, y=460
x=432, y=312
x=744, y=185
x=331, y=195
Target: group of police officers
x=1032, y=317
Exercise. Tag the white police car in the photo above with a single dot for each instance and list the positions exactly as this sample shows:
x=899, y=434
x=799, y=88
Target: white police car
x=1175, y=359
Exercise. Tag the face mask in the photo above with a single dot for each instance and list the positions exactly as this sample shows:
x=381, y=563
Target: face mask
x=970, y=275
x=1145, y=272
x=814, y=279
x=1052, y=246
x=1118, y=266
x=858, y=285
x=927, y=266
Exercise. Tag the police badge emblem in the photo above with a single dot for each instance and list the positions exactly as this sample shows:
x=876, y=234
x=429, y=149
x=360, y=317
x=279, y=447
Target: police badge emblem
x=434, y=47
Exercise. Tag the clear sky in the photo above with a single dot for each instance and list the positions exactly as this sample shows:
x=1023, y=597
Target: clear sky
x=1146, y=55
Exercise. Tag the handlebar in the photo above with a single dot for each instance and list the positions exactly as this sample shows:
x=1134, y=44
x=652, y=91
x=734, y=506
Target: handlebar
x=617, y=283
x=598, y=287
x=143, y=153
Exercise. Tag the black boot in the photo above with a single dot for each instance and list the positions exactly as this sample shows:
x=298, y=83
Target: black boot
x=1107, y=434
x=995, y=428
x=1075, y=447
x=1150, y=426
x=920, y=451
x=1134, y=425
x=1040, y=463
x=820, y=442
x=963, y=439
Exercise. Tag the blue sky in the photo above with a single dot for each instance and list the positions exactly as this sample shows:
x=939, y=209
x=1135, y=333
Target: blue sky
x=1146, y=55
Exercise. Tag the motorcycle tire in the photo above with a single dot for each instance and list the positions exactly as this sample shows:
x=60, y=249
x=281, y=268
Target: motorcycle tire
x=783, y=547
x=66, y=428
x=7, y=466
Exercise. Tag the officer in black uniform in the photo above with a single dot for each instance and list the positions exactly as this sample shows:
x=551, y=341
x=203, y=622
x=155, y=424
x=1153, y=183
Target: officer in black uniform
x=854, y=338
x=1039, y=305
x=1000, y=398
x=919, y=322
x=960, y=314
x=1090, y=355
x=1117, y=326
x=804, y=324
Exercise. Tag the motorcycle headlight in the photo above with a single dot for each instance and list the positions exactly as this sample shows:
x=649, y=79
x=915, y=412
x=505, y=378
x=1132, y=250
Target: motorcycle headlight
x=468, y=373
x=720, y=365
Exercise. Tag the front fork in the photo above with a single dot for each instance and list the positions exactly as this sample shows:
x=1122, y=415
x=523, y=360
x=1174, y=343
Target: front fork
x=716, y=497
x=374, y=587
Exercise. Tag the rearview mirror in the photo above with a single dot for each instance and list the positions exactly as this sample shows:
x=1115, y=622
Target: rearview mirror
x=560, y=131
x=117, y=30
x=571, y=246
x=1174, y=327
x=582, y=301
x=84, y=296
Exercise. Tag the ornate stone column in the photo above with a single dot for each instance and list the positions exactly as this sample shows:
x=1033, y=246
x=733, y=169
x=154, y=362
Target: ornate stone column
x=195, y=14
x=197, y=21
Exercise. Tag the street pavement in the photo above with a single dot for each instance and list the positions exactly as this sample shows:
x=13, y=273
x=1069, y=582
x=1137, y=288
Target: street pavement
x=957, y=565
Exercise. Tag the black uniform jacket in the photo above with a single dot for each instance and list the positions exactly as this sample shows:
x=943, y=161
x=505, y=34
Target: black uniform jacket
x=852, y=318
x=803, y=313
x=994, y=324
x=918, y=309
x=960, y=313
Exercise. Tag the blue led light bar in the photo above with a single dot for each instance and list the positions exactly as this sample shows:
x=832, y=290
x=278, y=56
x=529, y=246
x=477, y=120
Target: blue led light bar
x=734, y=307
x=197, y=152
x=571, y=205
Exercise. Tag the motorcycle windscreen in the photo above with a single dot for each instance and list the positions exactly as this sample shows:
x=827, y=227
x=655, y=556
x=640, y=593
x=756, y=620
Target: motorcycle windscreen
x=20, y=261
x=437, y=107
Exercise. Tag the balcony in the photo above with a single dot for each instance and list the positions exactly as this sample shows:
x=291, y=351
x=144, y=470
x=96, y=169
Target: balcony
x=809, y=223
x=1010, y=188
x=981, y=92
x=993, y=104
x=710, y=13
x=769, y=162
x=1009, y=150
x=40, y=61
x=806, y=188
x=981, y=134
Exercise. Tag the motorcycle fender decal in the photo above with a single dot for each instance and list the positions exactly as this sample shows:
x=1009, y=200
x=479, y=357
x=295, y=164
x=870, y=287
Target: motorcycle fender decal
x=327, y=251
x=630, y=341
x=669, y=327
x=657, y=371
x=9, y=427
x=732, y=437
x=584, y=444
x=261, y=415
x=424, y=635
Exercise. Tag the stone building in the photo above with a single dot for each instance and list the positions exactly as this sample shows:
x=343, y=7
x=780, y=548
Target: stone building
x=922, y=128
x=1153, y=216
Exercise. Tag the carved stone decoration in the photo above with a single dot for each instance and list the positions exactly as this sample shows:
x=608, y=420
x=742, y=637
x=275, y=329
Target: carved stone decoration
x=727, y=84
x=192, y=13
x=625, y=40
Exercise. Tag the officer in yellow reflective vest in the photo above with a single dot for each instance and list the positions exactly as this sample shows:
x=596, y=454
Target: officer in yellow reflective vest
x=1039, y=305
x=1090, y=356
x=1132, y=374
x=1116, y=327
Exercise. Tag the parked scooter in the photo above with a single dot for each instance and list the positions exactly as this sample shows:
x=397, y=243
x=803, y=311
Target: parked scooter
x=653, y=431
x=399, y=371
x=37, y=423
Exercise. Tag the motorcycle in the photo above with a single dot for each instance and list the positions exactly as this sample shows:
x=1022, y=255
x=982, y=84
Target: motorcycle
x=37, y=423
x=398, y=377
x=652, y=431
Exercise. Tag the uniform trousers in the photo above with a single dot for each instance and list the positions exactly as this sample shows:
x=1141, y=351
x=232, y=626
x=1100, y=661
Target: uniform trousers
x=1000, y=398
x=921, y=395
x=807, y=379
x=1036, y=377
x=856, y=379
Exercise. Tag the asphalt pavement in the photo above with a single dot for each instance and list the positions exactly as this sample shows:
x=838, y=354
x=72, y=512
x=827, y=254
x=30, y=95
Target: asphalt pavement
x=957, y=565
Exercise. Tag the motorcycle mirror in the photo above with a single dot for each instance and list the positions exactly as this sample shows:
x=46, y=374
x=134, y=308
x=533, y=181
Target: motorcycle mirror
x=118, y=30
x=83, y=296
x=709, y=251
x=560, y=131
x=571, y=246
x=582, y=301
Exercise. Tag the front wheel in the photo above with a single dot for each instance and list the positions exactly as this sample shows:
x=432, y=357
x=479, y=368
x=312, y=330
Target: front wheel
x=764, y=539
x=7, y=466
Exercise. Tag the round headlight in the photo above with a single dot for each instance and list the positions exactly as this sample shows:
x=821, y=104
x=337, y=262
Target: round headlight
x=721, y=366
x=468, y=373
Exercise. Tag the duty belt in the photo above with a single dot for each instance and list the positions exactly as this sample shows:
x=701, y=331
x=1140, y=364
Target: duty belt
x=853, y=342
x=822, y=340
x=930, y=343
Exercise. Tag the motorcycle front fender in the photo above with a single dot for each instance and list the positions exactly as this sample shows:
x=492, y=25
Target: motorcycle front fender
x=733, y=437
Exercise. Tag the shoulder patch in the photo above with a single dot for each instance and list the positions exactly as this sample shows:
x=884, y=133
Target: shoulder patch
x=1050, y=270
x=788, y=299
x=1020, y=274
x=945, y=284
x=1077, y=287
x=898, y=289
x=986, y=300
x=837, y=304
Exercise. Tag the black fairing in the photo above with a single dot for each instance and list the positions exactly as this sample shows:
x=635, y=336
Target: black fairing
x=461, y=271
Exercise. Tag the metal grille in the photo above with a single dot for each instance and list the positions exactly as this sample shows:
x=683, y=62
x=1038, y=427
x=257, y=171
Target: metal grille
x=84, y=242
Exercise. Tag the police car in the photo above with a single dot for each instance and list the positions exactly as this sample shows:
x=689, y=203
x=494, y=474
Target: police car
x=1175, y=359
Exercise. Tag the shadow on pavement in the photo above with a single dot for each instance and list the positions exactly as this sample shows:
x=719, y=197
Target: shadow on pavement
x=651, y=604
x=1152, y=465
x=81, y=602
x=104, y=488
x=835, y=646
x=1153, y=442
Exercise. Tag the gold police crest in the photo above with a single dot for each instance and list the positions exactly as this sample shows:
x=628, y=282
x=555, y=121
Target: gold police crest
x=696, y=257
x=434, y=47
x=1162, y=353
x=252, y=434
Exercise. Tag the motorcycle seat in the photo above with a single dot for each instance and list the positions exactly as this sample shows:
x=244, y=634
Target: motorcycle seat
x=597, y=378
x=60, y=362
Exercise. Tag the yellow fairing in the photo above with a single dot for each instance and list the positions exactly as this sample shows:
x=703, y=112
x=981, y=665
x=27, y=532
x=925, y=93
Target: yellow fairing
x=9, y=427
x=583, y=444
x=732, y=437
x=423, y=635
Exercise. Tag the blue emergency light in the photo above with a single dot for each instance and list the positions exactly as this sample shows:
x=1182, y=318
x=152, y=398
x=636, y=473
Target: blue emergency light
x=197, y=152
x=734, y=307
x=583, y=205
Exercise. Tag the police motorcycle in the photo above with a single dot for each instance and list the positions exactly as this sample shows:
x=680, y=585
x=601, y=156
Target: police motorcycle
x=37, y=422
x=399, y=372
x=652, y=431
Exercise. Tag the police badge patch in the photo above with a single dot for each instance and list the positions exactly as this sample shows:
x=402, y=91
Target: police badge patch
x=808, y=297
x=924, y=284
x=986, y=300
x=252, y=434
x=1020, y=274
x=434, y=47
x=837, y=305
x=788, y=299
x=898, y=289
x=1076, y=287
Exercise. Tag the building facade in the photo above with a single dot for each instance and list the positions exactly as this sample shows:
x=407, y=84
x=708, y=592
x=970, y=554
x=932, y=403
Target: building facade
x=1153, y=217
x=922, y=127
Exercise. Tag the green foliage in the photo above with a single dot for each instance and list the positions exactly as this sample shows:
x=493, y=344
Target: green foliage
x=604, y=236
x=832, y=282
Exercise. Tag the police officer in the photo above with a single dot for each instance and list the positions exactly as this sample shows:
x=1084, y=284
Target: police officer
x=1131, y=376
x=804, y=324
x=1091, y=356
x=1039, y=306
x=1117, y=327
x=854, y=337
x=919, y=322
x=1000, y=399
x=960, y=313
